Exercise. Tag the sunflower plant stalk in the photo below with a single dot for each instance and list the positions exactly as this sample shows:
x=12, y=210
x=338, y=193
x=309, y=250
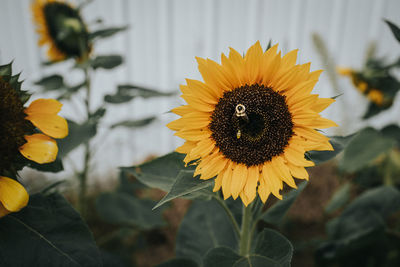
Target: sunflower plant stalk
x=66, y=36
x=250, y=128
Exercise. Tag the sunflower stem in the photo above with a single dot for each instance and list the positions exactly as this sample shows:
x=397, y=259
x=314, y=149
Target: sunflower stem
x=229, y=213
x=246, y=231
x=85, y=172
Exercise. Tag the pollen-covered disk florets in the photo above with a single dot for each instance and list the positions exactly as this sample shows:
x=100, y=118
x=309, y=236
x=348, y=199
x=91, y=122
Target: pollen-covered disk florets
x=251, y=121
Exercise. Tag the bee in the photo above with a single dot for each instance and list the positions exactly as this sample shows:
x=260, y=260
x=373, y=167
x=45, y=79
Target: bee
x=240, y=118
x=238, y=134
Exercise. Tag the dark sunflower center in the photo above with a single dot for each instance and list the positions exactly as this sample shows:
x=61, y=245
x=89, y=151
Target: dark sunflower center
x=66, y=29
x=251, y=124
x=13, y=126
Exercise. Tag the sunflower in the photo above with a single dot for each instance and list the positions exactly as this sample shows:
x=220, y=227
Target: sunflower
x=13, y=196
x=251, y=121
x=61, y=28
x=20, y=126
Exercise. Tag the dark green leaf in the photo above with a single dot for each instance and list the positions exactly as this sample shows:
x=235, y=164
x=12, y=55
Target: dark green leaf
x=104, y=33
x=52, y=82
x=186, y=184
x=134, y=123
x=256, y=261
x=127, y=210
x=366, y=146
x=339, y=199
x=204, y=227
x=161, y=172
x=48, y=232
x=338, y=144
x=106, y=62
x=275, y=214
x=395, y=30
x=140, y=91
x=392, y=131
x=220, y=257
x=77, y=135
x=274, y=246
x=178, y=263
x=55, y=166
x=117, y=98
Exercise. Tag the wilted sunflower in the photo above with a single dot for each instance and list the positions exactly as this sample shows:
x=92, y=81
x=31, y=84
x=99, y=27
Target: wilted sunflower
x=251, y=121
x=61, y=28
x=13, y=196
x=20, y=136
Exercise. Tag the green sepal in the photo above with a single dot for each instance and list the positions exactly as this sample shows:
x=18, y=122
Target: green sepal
x=6, y=70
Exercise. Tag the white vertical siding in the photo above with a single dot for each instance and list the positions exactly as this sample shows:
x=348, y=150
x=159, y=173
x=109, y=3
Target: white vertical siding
x=165, y=36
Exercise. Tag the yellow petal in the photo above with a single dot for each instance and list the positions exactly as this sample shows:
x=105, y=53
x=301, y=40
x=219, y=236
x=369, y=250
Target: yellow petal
x=322, y=103
x=263, y=191
x=50, y=124
x=282, y=171
x=46, y=106
x=250, y=189
x=295, y=155
x=253, y=62
x=202, y=91
x=39, y=148
x=186, y=147
x=13, y=196
x=227, y=180
x=298, y=172
x=239, y=178
x=273, y=182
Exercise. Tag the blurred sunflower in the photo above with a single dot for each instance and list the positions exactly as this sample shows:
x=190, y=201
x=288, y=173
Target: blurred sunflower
x=376, y=83
x=13, y=196
x=251, y=121
x=19, y=132
x=61, y=28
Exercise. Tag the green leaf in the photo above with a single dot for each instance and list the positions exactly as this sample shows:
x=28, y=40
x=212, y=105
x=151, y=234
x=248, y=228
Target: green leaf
x=274, y=215
x=47, y=232
x=140, y=91
x=70, y=90
x=256, y=261
x=204, y=227
x=127, y=92
x=275, y=246
x=77, y=135
x=106, y=62
x=395, y=30
x=126, y=210
x=339, y=199
x=366, y=146
x=361, y=224
x=55, y=166
x=186, y=184
x=52, y=82
x=178, y=263
x=392, y=131
x=118, y=98
x=108, y=32
x=220, y=257
x=6, y=70
x=134, y=123
x=338, y=143
x=161, y=172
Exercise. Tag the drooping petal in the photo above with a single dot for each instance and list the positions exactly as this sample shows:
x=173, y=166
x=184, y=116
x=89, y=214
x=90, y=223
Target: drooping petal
x=39, y=148
x=13, y=196
x=52, y=125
